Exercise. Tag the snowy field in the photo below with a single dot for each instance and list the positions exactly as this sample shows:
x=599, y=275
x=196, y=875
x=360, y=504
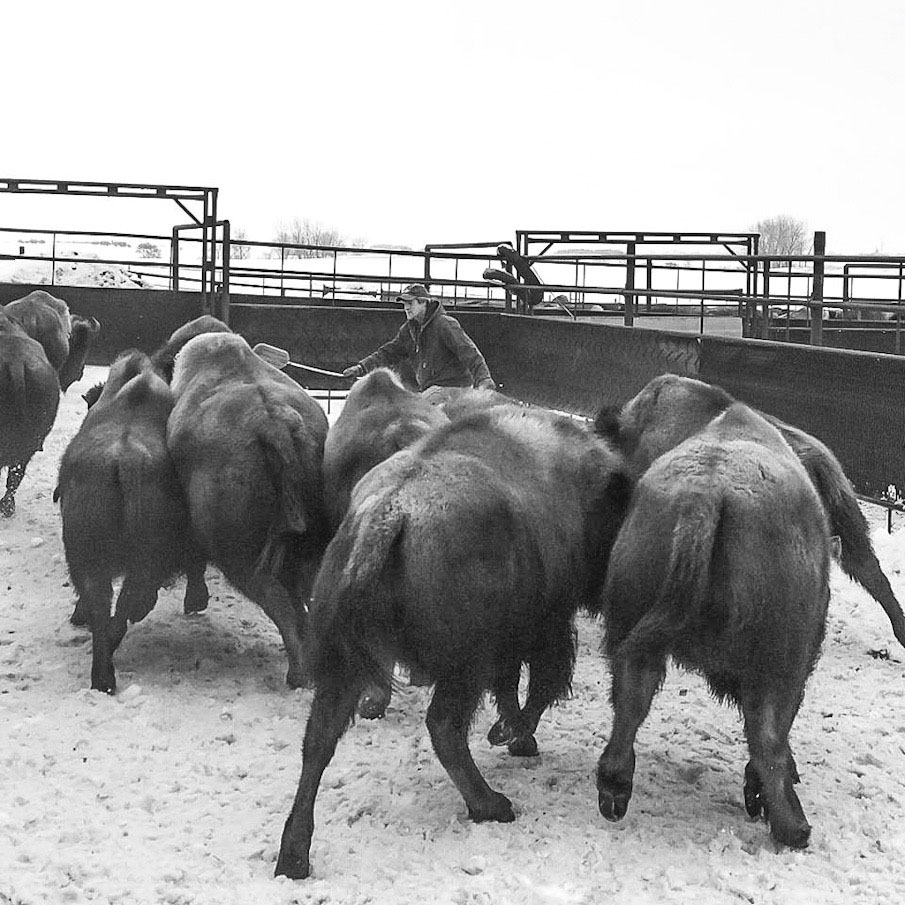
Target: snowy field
x=176, y=789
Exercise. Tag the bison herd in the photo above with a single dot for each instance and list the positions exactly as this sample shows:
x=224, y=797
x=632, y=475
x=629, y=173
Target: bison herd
x=458, y=541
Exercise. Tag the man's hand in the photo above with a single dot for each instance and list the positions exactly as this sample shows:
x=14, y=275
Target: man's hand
x=354, y=371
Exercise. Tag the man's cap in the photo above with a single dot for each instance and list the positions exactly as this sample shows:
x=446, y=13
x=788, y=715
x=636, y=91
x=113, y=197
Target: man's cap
x=414, y=293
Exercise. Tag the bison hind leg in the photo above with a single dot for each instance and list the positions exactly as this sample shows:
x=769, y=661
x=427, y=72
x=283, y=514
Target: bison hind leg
x=636, y=679
x=448, y=720
x=550, y=669
x=771, y=773
x=290, y=619
x=106, y=631
x=505, y=692
x=14, y=475
x=331, y=714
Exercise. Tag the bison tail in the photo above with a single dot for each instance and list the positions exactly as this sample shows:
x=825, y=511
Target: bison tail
x=841, y=506
x=16, y=383
x=147, y=510
x=348, y=617
x=686, y=584
x=858, y=559
x=299, y=502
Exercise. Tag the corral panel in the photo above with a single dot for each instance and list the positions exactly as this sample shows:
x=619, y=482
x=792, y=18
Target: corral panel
x=852, y=401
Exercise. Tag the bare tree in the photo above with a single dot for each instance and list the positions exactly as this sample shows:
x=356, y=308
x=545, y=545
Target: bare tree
x=238, y=249
x=148, y=250
x=783, y=235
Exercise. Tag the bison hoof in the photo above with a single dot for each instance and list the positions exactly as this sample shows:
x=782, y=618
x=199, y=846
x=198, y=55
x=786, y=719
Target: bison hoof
x=502, y=732
x=795, y=836
x=497, y=808
x=613, y=798
x=526, y=746
x=294, y=868
x=107, y=686
x=373, y=704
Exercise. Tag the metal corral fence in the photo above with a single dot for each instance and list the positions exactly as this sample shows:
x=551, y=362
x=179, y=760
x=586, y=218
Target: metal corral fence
x=638, y=279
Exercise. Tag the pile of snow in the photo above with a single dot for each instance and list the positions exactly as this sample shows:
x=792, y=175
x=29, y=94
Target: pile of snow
x=69, y=273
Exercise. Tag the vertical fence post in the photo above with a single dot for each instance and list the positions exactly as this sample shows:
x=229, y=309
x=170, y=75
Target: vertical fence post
x=629, y=317
x=174, y=260
x=224, y=286
x=703, y=290
x=53, y=260
x=816, y=305
x=899, y=314
x=765, y=305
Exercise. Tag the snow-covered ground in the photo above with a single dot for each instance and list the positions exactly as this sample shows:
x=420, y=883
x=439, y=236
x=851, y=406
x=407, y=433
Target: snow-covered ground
x=176, y=789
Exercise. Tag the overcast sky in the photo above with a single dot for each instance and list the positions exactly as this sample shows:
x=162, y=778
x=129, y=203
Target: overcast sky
x=414, y=122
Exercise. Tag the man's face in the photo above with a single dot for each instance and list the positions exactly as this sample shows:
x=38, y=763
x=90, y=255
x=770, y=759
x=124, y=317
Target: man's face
x=415, y=309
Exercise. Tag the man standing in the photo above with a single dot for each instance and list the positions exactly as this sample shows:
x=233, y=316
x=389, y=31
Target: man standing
x=442, y=354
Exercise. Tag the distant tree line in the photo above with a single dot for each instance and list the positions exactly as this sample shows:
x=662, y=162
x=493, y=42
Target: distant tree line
x=299, y=231
x=305, y=232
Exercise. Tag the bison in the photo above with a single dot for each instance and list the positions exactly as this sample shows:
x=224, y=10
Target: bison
x=28, y=405
x=65, y=338
x=464, y=556
x=29, y=398
x=671, y=408
x=722, y=564
x=196, y=593
x=123, y=510
x=379, y=417
x=248, y=443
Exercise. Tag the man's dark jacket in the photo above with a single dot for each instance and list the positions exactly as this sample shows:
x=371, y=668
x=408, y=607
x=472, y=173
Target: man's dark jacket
x=441, y=352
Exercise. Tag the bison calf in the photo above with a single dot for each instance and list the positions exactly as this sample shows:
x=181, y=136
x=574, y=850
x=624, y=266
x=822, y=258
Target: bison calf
x=464, y=556
x=722, y=564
